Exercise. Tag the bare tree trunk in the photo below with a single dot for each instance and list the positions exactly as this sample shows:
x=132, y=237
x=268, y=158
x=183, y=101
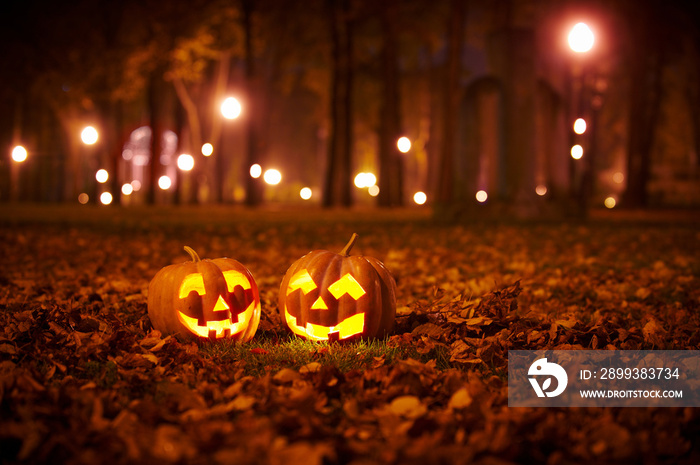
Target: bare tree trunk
x=190, y=108
x=115, y=149
x=254, y=187
x=337, y=185
x=445, y=188
x=155, y=97
x=390, y=159
x=646, y=69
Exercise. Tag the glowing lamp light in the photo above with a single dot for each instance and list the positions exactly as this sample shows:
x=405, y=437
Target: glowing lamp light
x=207, y=149
x=231, y=108
x=105, y=198
x=610, y=202
x=102, y=176
x=580, y=126
x=19, y=154
x=305, y=193
x=365, y=180
x=581, y=38
x=481, y=196
x=420, y=198
x=136, y=184
x=127, y=189
x=272, y=177
x=618, y=178
x=255, y=171
x=403, y=144
x=89, y=135
x=185, y=162
x=373, y=190
x=164, y=182
x=541, y=190
x=576, y=152
x=83, y=198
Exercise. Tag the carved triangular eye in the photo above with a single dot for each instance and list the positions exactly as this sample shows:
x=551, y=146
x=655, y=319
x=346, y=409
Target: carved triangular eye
x=301, y=280
x=346, y=285
x=236, y=278
x=192, y=282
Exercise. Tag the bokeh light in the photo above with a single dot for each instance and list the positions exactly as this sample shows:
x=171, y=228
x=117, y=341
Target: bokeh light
x=618, y=177
x=420, y=198
x=272, y=177
x=231, y=108
x=19, y=154
x=581, y=38
x=83, y=198
x=255, y=171
x=105, y=198
x=136, y=184
x=403, y=144
x=102, y=176
x=164, y=182
x=576, y=152
x=365, y=180
x=580, y=126
x=127, y=189
x=89, y=135
x=610, y=202
x=481, y=196
x=541, y=190
x=305, y=193
x=185, y=162
x=207, y=149
x=373, y=190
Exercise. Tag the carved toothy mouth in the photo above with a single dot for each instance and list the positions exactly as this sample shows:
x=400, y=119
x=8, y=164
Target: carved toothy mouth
x=221, y=328
x=351, y=326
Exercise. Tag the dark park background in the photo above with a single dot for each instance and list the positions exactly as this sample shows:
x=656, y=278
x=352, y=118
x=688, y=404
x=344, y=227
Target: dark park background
x=505, y=225
x=487, y=93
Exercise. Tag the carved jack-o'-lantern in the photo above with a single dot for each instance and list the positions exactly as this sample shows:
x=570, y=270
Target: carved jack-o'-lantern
x=328, y=296
x=211, y=299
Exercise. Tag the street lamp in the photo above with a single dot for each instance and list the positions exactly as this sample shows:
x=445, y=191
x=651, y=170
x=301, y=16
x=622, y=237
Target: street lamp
x=403, y=144
x=581, y=38
x=19, y=154
x=231, y=108
x=185, y=162
x=207, y=149
x=89, y=135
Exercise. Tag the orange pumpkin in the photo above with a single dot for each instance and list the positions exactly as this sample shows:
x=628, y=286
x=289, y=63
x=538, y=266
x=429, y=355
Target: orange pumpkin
x=329, y=296
x=205, y=299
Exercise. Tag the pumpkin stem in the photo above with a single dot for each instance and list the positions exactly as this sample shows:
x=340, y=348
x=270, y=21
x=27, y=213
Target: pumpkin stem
x=193, y=254
x=346, y=250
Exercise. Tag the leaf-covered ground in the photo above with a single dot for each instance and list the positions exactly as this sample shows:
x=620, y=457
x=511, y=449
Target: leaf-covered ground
x=85, y=379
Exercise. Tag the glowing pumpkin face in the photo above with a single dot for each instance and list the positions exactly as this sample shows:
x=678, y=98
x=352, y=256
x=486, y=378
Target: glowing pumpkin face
x=328, y=296
x=211, y=299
